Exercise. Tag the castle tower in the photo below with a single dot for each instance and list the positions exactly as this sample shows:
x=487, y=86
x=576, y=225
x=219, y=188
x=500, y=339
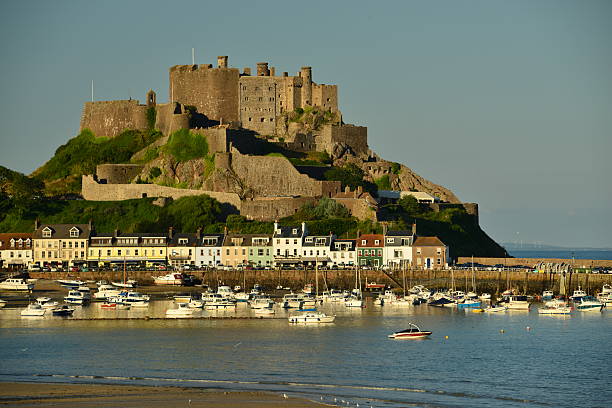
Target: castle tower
x=151, y=98
x=262, y=69
x=222, y=61
x=306, y=75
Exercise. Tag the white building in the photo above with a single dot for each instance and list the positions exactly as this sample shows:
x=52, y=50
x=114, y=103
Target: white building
x=287, y=244
x=397, y=251
x=343, y=253
x=317, y=248
x=16, y=250
x=208, y=250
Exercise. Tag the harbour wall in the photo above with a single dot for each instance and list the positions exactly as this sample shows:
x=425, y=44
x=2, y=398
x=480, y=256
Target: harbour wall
x=486, y=281
x=531, y=262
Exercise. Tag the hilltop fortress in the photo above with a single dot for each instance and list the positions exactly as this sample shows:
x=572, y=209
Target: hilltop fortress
x=246, y=120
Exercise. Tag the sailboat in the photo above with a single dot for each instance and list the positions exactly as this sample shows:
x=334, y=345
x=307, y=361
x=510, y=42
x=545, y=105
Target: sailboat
x=355, y=299
x=126, y=283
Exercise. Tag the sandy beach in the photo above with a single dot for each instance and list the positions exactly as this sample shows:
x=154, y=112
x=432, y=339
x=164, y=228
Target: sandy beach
x=88, y=395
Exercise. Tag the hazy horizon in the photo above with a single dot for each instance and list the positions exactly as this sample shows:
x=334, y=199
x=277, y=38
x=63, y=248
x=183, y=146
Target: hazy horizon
x=507, y=104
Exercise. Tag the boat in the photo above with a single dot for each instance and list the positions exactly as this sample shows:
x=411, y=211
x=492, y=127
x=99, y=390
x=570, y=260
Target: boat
x=558, y=310
x=495, y=309
x=185, y=298
x=134, y=299
x=485, y=296
x=195, y=304
x=70, y=283
x=548, y=295
x=264, y=311
x=516, y=302
x=112, y=305
x=2, y=303
x=127, y=284
x=169, y=279
x=292, y=300
x=16, y=284
x=242, y=297
x=46, y=302
x=441, y=302
x=63, y=310
x=606, y=289
x=588, y=304
x=106, y=291
x=311, y=317
x=76, y=297
x=182, y=311
x=217, y=301
x=261, y=302
x=578, y=293
x=33, y=309
x=412, y=332
x=468, y=303
x=353, y=301
x=606, y=299
x=308, y=289
x=555, y=303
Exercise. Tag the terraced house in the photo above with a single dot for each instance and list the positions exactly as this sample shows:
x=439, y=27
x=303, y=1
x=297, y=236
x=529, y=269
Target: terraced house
x=316, y=249
x=370, y=250
x=61, y=245
x=15, y=250
x=287, y=243
x=261, y=250
x=138, y=249
x=208, y=250
x=430, y=253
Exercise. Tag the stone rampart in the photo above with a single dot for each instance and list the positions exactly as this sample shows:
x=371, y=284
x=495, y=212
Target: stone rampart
x=117, y=173
x=359, y=207
x=272, y=209
x=213, y=91
x=94, y=191
x=109, y=118
x=216, y=137
x=276, y=176
x=356, y=137
x=171, y=117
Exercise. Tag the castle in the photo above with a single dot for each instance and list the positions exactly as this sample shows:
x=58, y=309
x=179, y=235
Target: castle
x=239, y=114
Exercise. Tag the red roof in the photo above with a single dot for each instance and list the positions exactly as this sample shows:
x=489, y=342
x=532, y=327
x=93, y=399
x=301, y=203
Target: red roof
x=370, y=240
x=428, y=241
x=5, y=240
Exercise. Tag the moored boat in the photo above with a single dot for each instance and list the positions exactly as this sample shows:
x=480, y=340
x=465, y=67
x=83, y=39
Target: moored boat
x=33, y=309
x=182, y=311
x=588, y=304
x=46, y=302
x=70, y=283
x=76, y=297
x=495, y=309
x=62, y=310
x=547, y=295
x=127, y=284
x=311, y=317
x=412, y=332
x=169, y=279
x=516, y=302
x=558, y=310
x=16, y=284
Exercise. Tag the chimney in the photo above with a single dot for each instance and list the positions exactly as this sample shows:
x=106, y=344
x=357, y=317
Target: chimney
x=414, y=228
x=272, y=71
x=384, y=229
x=199, y=233
x=170, y=232
x=347, y=189
x=304, y=229
x=115, y=233
x=36, y=224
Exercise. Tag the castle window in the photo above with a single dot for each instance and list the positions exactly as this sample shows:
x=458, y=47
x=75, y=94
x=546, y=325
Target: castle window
x=271, y=99
x=260, y=99
x=269, y=88
x=246, y=98
x=271, y=119
x=262, y=119
x=244, y=88
x=250, y=119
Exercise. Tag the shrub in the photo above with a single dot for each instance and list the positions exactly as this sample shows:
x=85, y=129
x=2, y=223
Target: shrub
x=154, y=172
x=184, y=145
x=396, y=168
x=383, y=183
x=151, y=115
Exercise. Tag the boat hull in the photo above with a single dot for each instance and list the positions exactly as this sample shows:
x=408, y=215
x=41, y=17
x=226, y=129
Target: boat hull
x=408, y=336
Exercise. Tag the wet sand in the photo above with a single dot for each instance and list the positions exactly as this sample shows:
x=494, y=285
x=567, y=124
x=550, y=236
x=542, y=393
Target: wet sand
x=90, y=395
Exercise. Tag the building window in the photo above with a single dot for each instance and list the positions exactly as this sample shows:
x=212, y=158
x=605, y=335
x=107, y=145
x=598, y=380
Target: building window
x=46, y=233
x=376, y=242
x=74, y=233
x=363, y=242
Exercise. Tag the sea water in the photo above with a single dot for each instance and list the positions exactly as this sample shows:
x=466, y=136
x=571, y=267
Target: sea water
x=512, y=359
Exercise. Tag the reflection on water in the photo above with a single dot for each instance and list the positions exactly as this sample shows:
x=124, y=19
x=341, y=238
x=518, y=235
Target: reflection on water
x=536, y=361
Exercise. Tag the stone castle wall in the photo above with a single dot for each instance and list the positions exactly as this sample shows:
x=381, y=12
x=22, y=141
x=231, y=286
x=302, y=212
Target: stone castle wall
x=272, y=209
x=216, y=138
x=117, y=173
x=171, y=117
x=110, y=118
x=276, y=176
x=94, y=191
x=354, y=136
x=213, y=91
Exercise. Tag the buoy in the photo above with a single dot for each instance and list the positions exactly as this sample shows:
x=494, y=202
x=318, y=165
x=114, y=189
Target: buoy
x=528, y=328
x=502, y=331
x=446, y=337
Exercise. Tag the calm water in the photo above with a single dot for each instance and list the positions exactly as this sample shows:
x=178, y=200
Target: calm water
x=564, y=254
x=560, y=361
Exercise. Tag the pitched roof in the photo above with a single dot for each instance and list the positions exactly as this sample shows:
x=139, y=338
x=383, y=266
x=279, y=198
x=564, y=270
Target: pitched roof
x=192, y=239
x=5, y=240
x=288, y=232
x=370, y=238
x=428, y=241
x=60, y=231
x=399, y=233
x=245, y=239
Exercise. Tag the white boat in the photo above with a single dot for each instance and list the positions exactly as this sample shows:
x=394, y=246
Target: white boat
x=353, y=301
x=495, y=309
x=46, y=302
x=33, y=309
x=106, y=291
x=16, y=284
x=606, y=289
x=218, y=301
x=241, y=297
x=588, y=304
x=264, y=311
x=261, y=302
x=517, y=302
x=485, y=296
x=559, y=310
x=182, y=311
x=70, y=283
x=127, y=284
x=606, y=299
x=195, y=304
x=412, y=332
x=555, y=303
x=292, y=300
x=135, y=299
x=311, y=317
x=334, y=296
x=169, y=279
x=547, y=295
x=471, y=295
x=578, y=293
x=182, y=298
x=2, y=303
x=76, y=297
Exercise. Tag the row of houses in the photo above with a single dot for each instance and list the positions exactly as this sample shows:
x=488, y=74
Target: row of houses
x=79, y=245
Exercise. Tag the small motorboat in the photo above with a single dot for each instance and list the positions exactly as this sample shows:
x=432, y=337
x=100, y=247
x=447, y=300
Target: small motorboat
x=46, y=302
x=182, y=298
x=311, y=317
x=76, y=297
x=16, y=284
x=485, y=296
x=2, y=303
x=112, y=305
x=195, y=304
x=127, y=284
x=588, y=304
x=264, y=311
x=412, y=332
x=182, y=311
x=63, y=310
x=70, y=283
x=169, y=279
x=468, y=303
x=495, y=309
x=548, y=295
x=33, y=309
x=555, y=310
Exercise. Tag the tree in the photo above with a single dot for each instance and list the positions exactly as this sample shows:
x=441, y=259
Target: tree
x=410, y=205
x=350, y=175
x=189, y=213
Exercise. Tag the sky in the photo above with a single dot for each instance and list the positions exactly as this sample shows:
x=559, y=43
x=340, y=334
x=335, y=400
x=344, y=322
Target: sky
x=506, y=103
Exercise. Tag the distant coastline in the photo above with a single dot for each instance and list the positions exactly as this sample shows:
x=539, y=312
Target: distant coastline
x=566, y=253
